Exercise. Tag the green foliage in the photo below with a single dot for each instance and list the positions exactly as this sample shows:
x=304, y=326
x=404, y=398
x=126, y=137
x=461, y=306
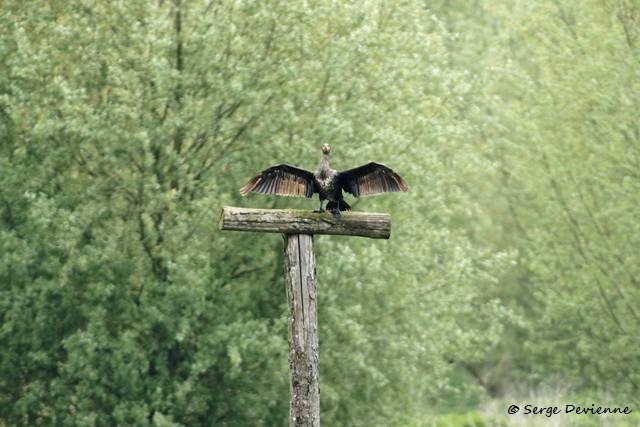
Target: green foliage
x=471, y=419
x=128, y=125
x=559, y=123
x=125, y=126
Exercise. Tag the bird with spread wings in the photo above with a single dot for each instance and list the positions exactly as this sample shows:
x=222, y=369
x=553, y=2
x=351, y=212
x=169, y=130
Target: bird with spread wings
x=287, y=180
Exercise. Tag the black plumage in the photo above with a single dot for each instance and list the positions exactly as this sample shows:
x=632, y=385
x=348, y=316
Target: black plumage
x=286, y=180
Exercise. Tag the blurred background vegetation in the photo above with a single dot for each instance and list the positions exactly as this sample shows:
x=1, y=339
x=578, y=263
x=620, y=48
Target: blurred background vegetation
x=512, y=274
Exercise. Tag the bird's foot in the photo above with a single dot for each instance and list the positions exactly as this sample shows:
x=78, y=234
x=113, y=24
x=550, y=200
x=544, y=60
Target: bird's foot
x=319, y=210
x=336, y=214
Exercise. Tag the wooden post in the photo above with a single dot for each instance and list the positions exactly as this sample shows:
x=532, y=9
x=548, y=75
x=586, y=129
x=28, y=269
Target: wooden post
x=298, y=228
x=300, y=277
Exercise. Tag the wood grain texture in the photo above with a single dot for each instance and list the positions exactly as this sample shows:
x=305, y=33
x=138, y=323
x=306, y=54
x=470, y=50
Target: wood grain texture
x=288, y=221
x=300, y=278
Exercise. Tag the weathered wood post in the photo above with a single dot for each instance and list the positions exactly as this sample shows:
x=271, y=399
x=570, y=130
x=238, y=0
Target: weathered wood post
x=298, y=228
x=304, y=379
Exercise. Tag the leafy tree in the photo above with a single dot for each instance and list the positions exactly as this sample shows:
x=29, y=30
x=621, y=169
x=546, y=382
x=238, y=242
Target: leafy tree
x=554, y=106
x=127, y=125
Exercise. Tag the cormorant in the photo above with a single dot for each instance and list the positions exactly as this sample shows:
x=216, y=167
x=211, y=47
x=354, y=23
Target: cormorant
x=287, y=180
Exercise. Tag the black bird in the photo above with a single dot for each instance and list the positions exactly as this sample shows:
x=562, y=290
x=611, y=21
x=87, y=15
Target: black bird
x=287, y=180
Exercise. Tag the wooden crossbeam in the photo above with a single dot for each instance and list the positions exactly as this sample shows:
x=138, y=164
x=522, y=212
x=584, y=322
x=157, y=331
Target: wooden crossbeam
x=289, y=221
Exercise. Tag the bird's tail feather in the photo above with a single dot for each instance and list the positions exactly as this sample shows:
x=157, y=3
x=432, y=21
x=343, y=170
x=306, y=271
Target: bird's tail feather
x=342, y=205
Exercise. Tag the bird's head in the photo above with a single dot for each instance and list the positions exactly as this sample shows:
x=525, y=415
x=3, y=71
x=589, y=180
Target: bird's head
x=326, y=149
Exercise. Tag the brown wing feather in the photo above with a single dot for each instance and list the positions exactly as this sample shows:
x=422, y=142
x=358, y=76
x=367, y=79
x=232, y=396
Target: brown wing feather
x=372, y=178
x=281, y=180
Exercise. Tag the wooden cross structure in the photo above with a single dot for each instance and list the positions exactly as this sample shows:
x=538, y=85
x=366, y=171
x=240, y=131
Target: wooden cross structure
x=298, y=228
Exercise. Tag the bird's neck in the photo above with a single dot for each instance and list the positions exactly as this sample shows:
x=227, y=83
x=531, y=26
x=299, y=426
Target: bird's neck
x=324, y=164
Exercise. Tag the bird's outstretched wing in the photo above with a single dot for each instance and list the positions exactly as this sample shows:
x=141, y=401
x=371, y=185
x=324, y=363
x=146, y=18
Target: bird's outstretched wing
x=369, y=179
x=281, y=180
